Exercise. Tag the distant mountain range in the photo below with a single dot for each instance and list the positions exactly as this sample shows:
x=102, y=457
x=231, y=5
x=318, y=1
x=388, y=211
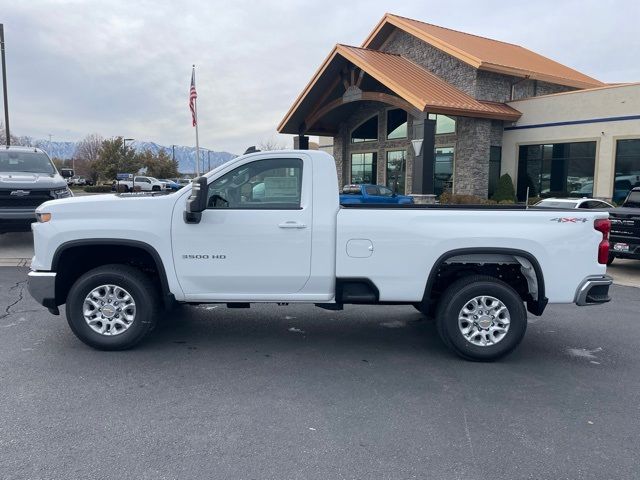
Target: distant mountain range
x=186, y=156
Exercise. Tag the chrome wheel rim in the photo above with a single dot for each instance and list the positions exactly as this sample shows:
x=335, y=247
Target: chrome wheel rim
x=109, y=310
x=484, y=321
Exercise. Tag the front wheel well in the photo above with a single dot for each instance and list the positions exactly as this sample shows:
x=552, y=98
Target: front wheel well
x=73, y=261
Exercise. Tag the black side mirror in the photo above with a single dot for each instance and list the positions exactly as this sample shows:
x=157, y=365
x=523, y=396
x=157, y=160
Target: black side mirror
x=66, y=172
x=197, y=201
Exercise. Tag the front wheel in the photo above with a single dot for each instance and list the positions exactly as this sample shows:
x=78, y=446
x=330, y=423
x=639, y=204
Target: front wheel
x=113, y=307
x=481, y=318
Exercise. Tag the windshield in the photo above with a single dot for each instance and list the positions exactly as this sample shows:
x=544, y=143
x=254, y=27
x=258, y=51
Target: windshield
x=633, y=200
x=556, y=204
x=31, y=162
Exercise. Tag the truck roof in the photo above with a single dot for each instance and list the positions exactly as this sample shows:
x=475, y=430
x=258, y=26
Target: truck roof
x=20, y=148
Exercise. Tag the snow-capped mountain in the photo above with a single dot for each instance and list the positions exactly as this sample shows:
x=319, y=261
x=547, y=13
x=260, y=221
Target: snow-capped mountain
x=186, y=156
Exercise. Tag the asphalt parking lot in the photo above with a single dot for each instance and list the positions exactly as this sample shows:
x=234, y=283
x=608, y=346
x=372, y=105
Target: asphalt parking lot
x=299, y=392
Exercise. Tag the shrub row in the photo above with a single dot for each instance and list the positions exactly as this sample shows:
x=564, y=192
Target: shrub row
x=98, y=189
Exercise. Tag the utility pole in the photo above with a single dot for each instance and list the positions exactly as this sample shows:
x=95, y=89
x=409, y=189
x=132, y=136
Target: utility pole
x=4, y=86
x=209, y=160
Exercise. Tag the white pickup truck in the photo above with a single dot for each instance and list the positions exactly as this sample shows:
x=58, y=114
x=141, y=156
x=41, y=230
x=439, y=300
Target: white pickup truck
x=268, y=227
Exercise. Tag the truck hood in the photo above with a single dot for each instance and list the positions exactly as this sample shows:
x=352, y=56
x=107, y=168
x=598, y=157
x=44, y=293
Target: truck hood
x=26, y=180
x=94, y=205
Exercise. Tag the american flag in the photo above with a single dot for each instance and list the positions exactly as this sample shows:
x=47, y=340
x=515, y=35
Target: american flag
x=192, y=98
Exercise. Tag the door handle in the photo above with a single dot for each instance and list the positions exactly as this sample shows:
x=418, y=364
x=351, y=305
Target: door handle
x=292, y=224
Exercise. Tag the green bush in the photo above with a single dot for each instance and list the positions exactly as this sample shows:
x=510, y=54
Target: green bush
x=505, y=190
x=448, y=198
x=98, y=189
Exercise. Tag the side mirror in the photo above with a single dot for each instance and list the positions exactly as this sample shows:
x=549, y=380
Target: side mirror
x=197, y=201
x=66, y=172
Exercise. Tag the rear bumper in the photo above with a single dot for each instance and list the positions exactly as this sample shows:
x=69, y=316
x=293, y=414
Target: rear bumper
x=593, y=290
x=42, y=287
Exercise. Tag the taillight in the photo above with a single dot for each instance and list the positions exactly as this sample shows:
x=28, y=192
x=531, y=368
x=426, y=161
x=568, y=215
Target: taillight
x=603, y=225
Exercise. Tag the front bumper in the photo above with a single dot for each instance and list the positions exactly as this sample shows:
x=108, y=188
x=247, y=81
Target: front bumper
x=594, y=290
x=42, y=287
x=16, y=219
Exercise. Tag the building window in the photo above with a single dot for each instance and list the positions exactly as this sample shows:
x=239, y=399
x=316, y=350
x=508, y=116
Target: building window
x=444, y=124
x=366, y=132
x=363, y=168
x=495, y=160
x=443, y=171
x=560, y=169
x=627, y=168
x=396, y=124
x=396, y=168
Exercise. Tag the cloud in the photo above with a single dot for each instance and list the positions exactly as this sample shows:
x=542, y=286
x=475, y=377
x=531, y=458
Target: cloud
x=123, y=67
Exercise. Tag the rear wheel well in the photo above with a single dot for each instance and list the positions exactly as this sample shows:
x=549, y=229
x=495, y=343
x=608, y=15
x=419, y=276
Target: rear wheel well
x=74, y=261
x=521, y=272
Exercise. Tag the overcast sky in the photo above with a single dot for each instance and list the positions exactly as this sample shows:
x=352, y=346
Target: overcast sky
x=122, y=67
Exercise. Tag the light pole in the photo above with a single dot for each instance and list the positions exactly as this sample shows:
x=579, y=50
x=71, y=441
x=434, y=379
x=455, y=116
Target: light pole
x=208, y=160
x=124, y=154
x=4, y=86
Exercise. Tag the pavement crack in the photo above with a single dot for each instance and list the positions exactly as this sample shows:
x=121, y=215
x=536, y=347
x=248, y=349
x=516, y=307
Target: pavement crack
x=20, y=286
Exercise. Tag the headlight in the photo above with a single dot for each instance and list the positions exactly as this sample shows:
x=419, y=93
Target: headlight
x=43, y=217
x=61, y=193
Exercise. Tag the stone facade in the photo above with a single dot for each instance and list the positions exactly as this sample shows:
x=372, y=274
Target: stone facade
x=471, y=157
x=450, y=69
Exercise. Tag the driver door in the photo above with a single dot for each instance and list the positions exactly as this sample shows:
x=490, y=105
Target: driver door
x=254, y=239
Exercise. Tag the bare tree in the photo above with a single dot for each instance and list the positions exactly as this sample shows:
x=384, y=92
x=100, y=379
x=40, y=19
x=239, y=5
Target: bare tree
x=22, y=141
x=86, y=156
x=271, y=143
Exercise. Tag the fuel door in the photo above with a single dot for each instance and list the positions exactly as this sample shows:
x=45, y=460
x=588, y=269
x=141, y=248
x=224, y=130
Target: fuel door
x=359, y=248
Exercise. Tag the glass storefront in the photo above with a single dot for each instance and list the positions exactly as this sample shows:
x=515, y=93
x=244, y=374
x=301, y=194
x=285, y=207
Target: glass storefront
x=495, y=160
x=444, y=124
x=556, y=170
x=396, y=124
x=363, y=168
x=396, y=170
x=443, y=171
x=627, y=168
x=366, y=132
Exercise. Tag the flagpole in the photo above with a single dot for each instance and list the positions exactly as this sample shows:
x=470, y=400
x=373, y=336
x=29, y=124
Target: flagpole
x=195, y=111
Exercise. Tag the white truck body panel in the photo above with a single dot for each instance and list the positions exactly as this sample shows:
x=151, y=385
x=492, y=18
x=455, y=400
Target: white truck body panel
x=259, y=260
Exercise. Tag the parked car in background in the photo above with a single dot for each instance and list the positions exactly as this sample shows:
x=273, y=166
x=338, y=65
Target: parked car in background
x=28, y=178
x=625, y=228
x=170, y=184
x=144, y=184
x=183, y=181
x=79, y=181
x=367, y=193
x=588, y=203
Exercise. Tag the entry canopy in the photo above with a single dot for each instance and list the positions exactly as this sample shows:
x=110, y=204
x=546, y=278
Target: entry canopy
x=351, y=74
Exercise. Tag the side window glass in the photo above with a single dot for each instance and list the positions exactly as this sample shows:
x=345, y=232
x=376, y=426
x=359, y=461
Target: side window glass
x=371, y=190
x=386, y=192
x=270, y=184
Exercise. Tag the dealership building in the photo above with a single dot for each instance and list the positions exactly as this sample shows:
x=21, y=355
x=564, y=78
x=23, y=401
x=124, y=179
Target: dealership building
x=424, y=109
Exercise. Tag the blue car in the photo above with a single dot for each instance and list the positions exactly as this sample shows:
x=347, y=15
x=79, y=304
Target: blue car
x=170, y=184
x=366, y=193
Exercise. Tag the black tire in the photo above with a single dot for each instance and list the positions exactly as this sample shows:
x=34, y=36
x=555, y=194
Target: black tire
x=155, y=188
x=139, y=286
x=610, y=259
x=461, y=292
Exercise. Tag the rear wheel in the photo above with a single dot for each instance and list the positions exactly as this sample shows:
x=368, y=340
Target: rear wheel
x=112, y=307
x=481, y=318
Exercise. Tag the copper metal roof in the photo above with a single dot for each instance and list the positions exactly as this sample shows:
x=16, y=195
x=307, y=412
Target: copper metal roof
x=483, y=53
x=421, y=89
